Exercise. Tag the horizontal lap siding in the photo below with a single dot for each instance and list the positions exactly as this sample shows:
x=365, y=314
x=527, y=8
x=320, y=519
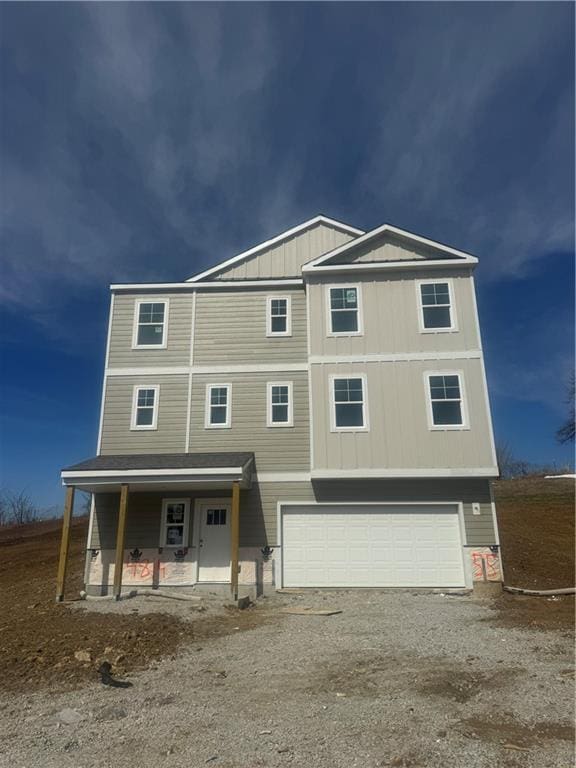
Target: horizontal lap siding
x=280, y=449
x=286, y=258
x=170, y=437
x=230, y=328
x=177, y=351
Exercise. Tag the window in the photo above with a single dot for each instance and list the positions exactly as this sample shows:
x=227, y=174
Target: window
x=349, y=403
x=280, y=404
x=344, y=310
x=278, y=316
x=175, y=520
x=145, y=407
x=436, y=306
x=150, y=324
x=217, y=405
x=446, y=399
x=216, y=516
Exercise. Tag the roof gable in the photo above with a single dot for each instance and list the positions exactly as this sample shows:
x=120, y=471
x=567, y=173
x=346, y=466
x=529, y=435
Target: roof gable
x=284, y=255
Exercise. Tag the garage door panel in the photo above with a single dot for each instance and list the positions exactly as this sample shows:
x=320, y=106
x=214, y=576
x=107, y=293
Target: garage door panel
x=385, y=545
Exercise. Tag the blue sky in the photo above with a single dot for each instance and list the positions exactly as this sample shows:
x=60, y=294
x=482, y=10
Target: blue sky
x=146, y=141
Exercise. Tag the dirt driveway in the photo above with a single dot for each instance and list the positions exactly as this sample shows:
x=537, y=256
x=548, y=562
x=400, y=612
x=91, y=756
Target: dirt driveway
x=397, y=679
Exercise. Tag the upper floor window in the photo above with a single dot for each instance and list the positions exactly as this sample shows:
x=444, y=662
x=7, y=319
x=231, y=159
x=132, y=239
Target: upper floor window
x=150, y=324
x=278, y=316
x=344, y=310
x=279, y=409
x=218, y=405
x=175, y=521
x=436, y=306
x=349, y=403
x=145, y=407
x=446, y=401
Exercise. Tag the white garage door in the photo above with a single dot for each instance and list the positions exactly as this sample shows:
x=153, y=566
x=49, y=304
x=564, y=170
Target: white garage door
x=372, y=546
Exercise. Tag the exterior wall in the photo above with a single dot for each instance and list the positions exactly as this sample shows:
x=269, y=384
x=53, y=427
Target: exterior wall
x=177, y=351
x=169, y=437
x=283, y=449
x=230, y=328
x=390, y=309
x=389, y=247
x=286, y=259
x=399, y=436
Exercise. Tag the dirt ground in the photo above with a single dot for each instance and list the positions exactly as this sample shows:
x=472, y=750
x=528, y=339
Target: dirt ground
x=39, y=639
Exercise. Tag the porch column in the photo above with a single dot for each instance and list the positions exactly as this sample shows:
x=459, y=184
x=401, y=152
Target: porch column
x=235, y=539
x=64, y=543
x=119, y=563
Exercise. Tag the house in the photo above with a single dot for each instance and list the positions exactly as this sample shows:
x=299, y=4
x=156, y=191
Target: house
x=312, y=412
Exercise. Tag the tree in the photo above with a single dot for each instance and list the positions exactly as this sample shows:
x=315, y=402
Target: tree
x=566, y=432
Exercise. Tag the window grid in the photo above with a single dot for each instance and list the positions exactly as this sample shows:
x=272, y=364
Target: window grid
x=344, y=310
x=175, y=523
x=436, y=306
x=349, y=403
x=446, y=400
x=278, y=316
x=151, y=317
x=218, y=406
x=144, y=407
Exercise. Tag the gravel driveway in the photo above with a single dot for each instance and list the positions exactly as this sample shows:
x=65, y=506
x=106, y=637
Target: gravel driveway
x=397, y=679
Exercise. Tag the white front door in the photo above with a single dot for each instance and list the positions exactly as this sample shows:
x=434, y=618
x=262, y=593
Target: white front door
x=214, y=541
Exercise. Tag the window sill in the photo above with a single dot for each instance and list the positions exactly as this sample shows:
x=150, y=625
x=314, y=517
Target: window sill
x=449, y=428
x=350, y=429
x=438, y=330
x=218, y=426
x=278, y=335
x=143, y=429
x=149, y=346
x=336, y=334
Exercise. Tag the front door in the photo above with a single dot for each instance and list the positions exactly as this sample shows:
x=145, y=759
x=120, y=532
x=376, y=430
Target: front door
x=214, y=541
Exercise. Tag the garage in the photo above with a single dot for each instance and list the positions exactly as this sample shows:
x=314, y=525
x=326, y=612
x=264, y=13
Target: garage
x=380, y=545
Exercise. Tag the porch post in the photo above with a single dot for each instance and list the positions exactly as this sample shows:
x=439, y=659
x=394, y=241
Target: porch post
x=64, y=543
x=235, y=539
x=119, y=564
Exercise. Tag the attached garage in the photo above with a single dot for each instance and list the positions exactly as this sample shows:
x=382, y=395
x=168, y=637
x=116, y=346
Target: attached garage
x=372, y=545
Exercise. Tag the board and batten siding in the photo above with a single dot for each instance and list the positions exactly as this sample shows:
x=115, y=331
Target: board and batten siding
x=286, y=258
x=170, y=435
x=177, y=351
x=280, y=449
x=230, y=327
x=399, y=436
x=390, y=312
x=388, y=247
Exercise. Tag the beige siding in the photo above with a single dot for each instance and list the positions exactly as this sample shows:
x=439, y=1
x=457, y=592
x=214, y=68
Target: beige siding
x=230, y=327
x=399, y=436
x=286, y=258
x=390, y=312
x=279, y=449
x=388, y=248
x=169, y=437
x=177, y=351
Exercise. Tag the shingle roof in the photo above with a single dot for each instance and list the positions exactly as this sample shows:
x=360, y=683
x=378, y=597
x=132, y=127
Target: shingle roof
x=163, y=461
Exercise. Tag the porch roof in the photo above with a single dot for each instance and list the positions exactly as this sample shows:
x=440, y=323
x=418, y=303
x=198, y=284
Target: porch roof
x=160, y=471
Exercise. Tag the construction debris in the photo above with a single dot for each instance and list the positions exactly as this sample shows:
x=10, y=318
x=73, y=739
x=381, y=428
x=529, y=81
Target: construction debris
x=305, y=611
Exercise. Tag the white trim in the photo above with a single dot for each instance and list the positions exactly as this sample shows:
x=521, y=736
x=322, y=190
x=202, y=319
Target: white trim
x=453, y=327
x=228, y=423
x=472, y=354
x=274, y=241
x=380, y=265
x=464, y=257
x=191, y=287
x=150, y=370
x=188, y=471
x=359, y=314
x=134, y=427
x=484, y=378
x=137, y=304
x=281, y=477
x=251, y=368
x=366, y=424
x=279, y=424
x=309, y=349
x=269, y=331
x=463, y=403
x=106, y=358
x=189, y=403
x=186, y=524
x=330, y=474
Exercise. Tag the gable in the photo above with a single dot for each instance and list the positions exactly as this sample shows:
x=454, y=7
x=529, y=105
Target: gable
x=284, y=255
x=387, y=247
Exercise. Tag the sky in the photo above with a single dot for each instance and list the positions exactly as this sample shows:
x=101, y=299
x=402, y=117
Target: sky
x=145, y=142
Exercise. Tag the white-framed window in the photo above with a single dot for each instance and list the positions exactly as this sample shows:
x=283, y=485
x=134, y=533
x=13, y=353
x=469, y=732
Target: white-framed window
x=150, y=324
x=175, y=523
x=218, y=406
x=348, y=398
x=278, y=316
x=344, y=310
x=437, y=311
x=145, y=400
x=279, y=408
x=446, y=400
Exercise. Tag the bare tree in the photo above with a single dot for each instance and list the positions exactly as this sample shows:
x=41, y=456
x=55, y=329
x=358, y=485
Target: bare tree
x=20, y=508
x=566, y=432
x=85, y=503
x=3, y=507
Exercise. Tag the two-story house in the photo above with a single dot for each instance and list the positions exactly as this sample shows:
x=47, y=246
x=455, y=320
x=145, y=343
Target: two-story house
x=312, y=412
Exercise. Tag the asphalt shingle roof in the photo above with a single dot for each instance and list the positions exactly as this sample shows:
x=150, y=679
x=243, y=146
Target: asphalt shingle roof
x=163, y=461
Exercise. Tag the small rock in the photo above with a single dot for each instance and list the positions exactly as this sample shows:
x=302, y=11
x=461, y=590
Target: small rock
x=264, y=733
x=68, y=716
x=82, y=656
x=111, y=713
x=70, y=745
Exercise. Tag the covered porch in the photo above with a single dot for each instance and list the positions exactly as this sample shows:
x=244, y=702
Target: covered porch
x=159, y=520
